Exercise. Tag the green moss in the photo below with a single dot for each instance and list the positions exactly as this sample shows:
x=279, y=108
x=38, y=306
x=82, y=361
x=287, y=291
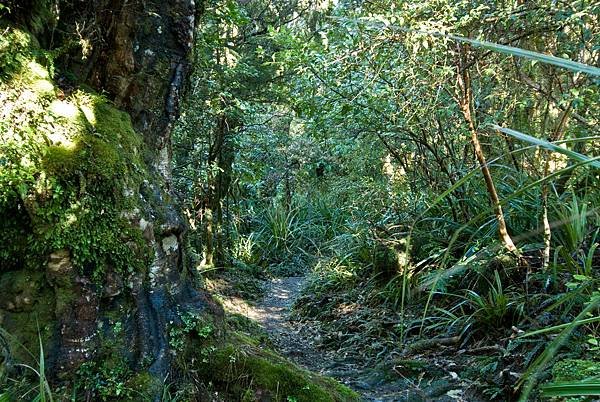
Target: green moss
x=241, y=367
x=575, y=370
x=64, y=297
x=38, y=16
x=72, y=163
x=144, y=385
x=100, y=142
x=194, y=327
x=247, y=371
x=59, y=159
x=110, y=375
x=114, y=124
x=110, y=378
x=15, y=49
x=27, y=312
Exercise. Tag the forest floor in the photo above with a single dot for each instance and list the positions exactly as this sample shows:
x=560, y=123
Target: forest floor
x=301, y=342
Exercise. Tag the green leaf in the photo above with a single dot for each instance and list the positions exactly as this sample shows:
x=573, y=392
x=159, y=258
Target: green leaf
x=531, y=375
x=561, y=326
x=578, y=388
x=515, y=51
x=547, y=145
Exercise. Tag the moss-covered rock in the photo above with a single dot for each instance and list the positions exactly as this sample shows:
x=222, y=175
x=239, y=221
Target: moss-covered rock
x=246, y=371
x=27, y=312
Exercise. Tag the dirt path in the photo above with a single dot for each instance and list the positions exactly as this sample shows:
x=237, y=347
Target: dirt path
x=300, y=343
x=297, y=342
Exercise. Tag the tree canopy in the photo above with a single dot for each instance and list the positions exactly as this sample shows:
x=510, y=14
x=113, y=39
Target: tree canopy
x=416, y=182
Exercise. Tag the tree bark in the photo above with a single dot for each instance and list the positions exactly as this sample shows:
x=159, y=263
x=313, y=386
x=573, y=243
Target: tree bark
x=465, y=101
x=556, y=135
x=220, y=161
x=139, y=58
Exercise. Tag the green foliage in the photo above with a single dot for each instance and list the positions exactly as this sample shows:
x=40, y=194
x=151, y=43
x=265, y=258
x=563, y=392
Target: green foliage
x=543, y=58
x=245, y=250
x=576, y=388
x=13, y=235
x=281, y=232
x=38, y=16
x=491, y=312
x=64, y=165
x=34, y=380
x=385, y=262
x=107, y=379
x=110, y=374
x=15, y=50
x=573, y=377
x=548, y=145
x=192, y=325
x=347, y=154
x=574, y=225
x=531, y=375
x=44, y=392
x=573, y=369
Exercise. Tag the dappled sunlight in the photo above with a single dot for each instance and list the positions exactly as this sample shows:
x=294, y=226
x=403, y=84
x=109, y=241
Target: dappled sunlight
x=236, y=200
x=88, y=113
x=347, y=308
x=42, y=86
x=62, y=108
x=388, y=177
x=38, y=71
x=62, y=158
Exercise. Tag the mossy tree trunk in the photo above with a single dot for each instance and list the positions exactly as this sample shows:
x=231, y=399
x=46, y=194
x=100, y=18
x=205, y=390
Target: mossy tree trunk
x=135, y=52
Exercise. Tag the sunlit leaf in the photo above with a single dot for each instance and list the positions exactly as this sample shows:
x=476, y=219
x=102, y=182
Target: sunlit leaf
x=547, y=145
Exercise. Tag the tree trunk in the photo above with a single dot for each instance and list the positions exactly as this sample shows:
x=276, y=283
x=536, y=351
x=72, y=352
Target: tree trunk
x=220, y=161
x=465, y=101
x=138, y=57
x=556, y=135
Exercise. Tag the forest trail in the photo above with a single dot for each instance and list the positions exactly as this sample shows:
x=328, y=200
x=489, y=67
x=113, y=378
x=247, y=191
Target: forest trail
x=299, y=342
x=272, y=312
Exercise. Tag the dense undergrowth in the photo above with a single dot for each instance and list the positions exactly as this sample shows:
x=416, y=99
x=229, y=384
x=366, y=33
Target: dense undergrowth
x=336, y=142
x=493, y=313
x=384, y=279
x=357, y=170
x=66, y=154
